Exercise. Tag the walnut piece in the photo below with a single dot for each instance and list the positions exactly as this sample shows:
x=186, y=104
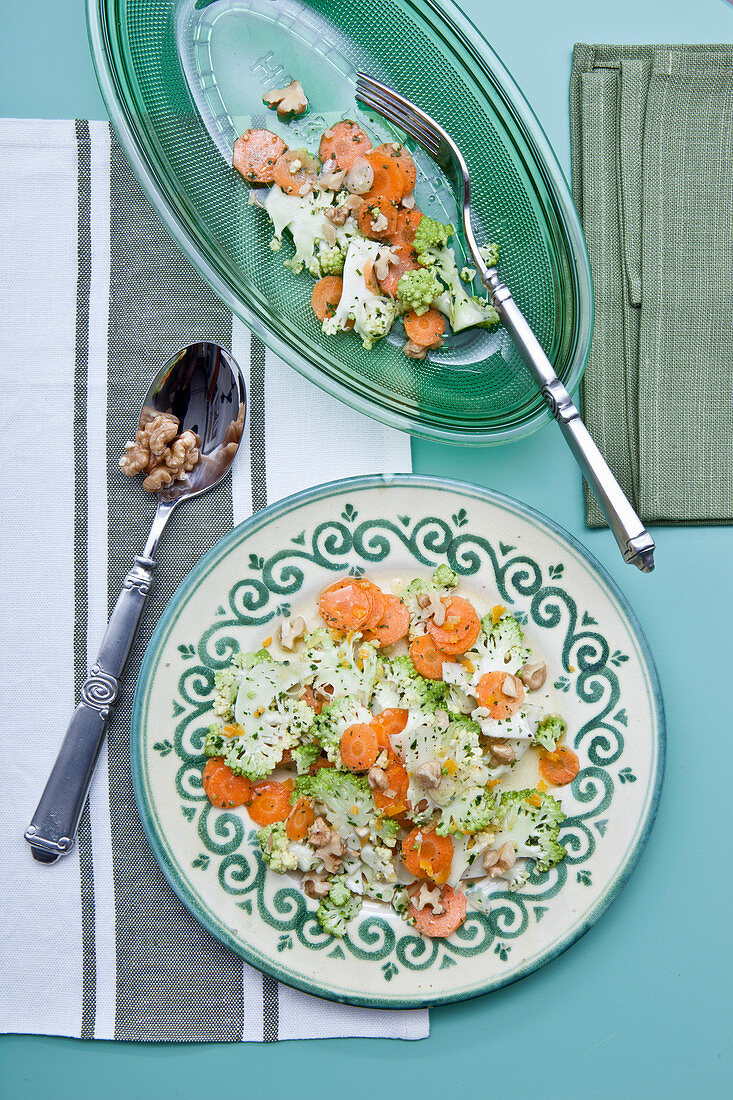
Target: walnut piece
x=291, y=630
x=291, y=102
x=533, y=675
x=315, y=885
x=328, y=845
x=160, y=452
x=498, y=860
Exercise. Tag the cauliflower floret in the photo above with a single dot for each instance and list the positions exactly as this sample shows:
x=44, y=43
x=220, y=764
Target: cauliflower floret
x=373, y=314
x=348, y=805
x=343, y=667
x=257, y=753
x=303, y=217
x=421, y=592
x=330, y=260
x=462, y=310
x=276, y=850
x=412, y=691
x=337, y=909
x=530, y=821
x=456, y=749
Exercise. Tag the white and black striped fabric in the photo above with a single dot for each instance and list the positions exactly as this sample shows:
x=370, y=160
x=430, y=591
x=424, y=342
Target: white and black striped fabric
x=94, y=297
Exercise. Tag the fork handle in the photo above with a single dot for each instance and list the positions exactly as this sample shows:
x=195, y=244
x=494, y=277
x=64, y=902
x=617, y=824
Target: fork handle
x=634, y=541
x=53, y=828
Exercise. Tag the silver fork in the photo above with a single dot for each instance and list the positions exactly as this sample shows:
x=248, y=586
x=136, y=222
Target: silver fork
x=635, y=542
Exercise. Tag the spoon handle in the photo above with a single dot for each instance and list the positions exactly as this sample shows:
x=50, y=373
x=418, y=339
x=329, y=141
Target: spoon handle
x=634, y=541
x=53, y=828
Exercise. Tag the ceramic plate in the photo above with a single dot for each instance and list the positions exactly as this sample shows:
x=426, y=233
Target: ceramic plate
x=274, y=565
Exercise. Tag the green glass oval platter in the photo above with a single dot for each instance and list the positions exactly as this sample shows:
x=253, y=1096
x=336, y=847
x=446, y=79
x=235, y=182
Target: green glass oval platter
x=601, y=678
x=183, y=78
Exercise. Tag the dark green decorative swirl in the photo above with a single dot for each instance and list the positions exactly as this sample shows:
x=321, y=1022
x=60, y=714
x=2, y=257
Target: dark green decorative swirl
x=223, y=834
x=376, y=939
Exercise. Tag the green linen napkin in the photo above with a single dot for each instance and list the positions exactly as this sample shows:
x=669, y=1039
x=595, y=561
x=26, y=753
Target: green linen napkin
x=652, y=155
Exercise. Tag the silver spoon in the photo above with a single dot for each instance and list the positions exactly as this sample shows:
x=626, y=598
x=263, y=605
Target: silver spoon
x=203, y=386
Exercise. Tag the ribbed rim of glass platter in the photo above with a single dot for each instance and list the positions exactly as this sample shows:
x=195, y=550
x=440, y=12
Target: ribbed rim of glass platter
x=114, y=95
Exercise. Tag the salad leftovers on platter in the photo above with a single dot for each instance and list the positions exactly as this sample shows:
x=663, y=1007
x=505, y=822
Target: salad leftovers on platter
x=356, y=227
x=381, y=749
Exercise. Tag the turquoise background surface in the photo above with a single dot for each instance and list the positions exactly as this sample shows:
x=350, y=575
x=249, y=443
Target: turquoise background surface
x=641, y=1006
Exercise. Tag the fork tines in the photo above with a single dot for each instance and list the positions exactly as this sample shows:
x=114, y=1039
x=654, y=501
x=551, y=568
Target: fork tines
x=400, y=111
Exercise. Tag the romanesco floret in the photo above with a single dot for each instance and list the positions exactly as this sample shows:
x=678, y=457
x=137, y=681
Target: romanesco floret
x=305, y=755
x=417, y=289
x=337, y=908
x=490, y=254
x=226, y=682
x=462, y=310
x=468, y=274
x=416, y=692
x=505, y=638
x=430, y=234
x=347, y=798
x=445, y=577
x=330, y=260
x=469, y=812
x=334, y=719
x=276, y=850
x=549, y=731
x=440, y=584
x=531, y=820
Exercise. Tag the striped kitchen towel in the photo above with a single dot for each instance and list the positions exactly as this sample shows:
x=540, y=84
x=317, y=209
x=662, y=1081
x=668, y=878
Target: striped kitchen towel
x=95, y=296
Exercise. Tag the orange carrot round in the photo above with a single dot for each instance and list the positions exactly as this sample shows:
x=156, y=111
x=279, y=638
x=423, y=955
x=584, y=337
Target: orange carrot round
x=389, y=721
x=377, y=218
x=405, y=262
x=393, y=624
x=439, y=925
x=326, y=296
x=427, y=855
x=490, y=694
x=359, y=747
x=560, y=766
x=223, y=788
x=407, y=223
x=394, y=172
x=321, y=762
x=345, y=606
x=424, y=328
x=378, y=602
x=427, y=658
x=460, y=628
x=393, y=800
x=271, y=802
x=300, y=819
x=344, y=142
x=255, y=154
x=295, y=169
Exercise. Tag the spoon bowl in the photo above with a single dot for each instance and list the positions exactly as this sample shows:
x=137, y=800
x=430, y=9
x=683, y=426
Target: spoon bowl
x=202, y=386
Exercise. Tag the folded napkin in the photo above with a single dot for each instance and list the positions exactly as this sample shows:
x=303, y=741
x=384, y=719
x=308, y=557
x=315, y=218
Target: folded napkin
x=652, y=157
x=95, y=296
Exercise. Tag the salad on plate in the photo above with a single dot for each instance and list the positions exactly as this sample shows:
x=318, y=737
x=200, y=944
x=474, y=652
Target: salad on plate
x=384, y=744
x=357, y=229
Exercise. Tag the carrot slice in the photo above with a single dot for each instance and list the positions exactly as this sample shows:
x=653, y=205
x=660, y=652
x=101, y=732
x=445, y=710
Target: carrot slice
x=344, y=142
x=223, y=788
x=359, y=747
x=309, y=698
x=300, y=819
x=326, y=296
x=345, y=605
x=490, y=694
x=424, y=328
x=394, y=172
x=405, y=262
x=255, y=154
x=389, y=721
x=459, y=630
x=377, y=218
x=295, y=169
x=427, y=855
x=427, y=658
x=407, y=223
x=393, y=624
x=393, y=800
x=378, y=602
x=271, y=802
x=560, y=766
x=439, y=925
